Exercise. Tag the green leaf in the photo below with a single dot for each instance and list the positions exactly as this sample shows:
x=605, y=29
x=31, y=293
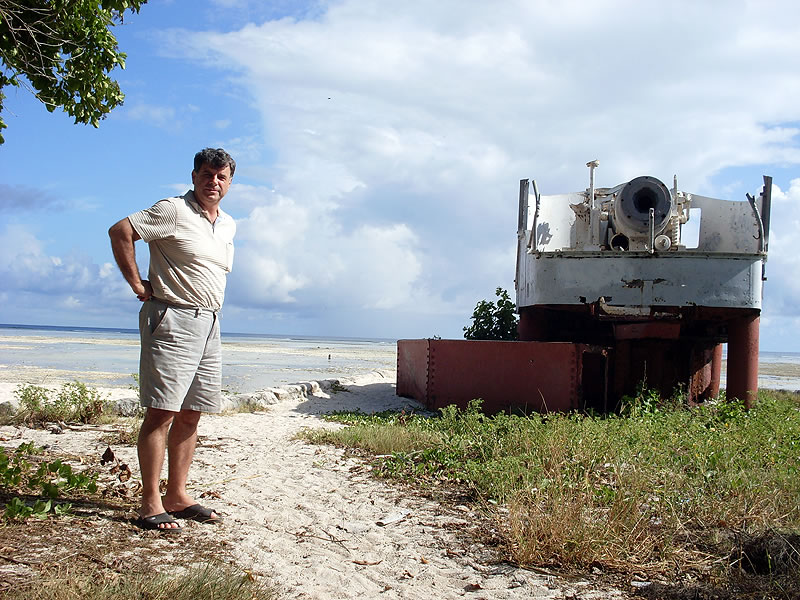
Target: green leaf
x=41, y=509
x=50, y=489
x=62, y=509
x=17, y=509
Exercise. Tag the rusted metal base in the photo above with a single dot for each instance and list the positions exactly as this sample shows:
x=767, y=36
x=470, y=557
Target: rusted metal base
x=581, y=358
x=551, y=376
x=679, y=347
x=667, y=366
x=526, y=376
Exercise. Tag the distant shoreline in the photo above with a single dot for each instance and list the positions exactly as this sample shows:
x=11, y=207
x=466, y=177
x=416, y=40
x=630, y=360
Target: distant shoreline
x=135, y=332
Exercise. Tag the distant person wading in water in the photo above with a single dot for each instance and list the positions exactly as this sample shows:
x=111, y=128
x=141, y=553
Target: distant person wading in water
x=191, y=253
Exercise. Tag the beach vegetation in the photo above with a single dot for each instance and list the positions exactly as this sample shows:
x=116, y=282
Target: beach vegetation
x=220, y=582
x=63, y=53
x=125, y=432
x=335, y=386
x=248, y=406
x=683, y=495
x=24, y=472
x=493, y=321
x=388, y=433
x=86, y=555
x=73, y=402
x=135, y=385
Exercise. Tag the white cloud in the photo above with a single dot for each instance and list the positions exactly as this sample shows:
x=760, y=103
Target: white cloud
x=380, y=267
x=55, y=280
x=159, y=116
x=782, y=287
x=264, y=282
x=406, y=93
x=72, y=303
x=289, y=253
x=276, y=225
x=791, y=197
x=401, y=131
x=546, y=81
x=107, y=269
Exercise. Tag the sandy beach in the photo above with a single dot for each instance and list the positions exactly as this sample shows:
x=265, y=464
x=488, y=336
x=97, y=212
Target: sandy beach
x=313, y=520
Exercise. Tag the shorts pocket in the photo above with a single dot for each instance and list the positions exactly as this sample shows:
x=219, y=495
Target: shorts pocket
x=157, y=316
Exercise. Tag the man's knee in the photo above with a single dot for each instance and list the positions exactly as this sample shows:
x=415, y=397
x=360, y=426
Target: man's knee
x=187, y=418
x=156, y=418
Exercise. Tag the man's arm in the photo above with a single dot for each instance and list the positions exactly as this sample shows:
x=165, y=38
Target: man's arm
x=123, y=236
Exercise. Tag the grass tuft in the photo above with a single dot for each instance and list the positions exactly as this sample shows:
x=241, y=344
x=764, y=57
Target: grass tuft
x=208, y=581
x=126, y=432
x=381, y=433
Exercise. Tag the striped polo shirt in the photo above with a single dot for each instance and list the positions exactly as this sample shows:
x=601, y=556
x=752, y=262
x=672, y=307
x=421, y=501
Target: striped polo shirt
x=190, y=257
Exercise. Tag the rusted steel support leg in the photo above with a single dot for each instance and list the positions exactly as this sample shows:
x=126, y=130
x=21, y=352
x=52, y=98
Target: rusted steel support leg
x=743, y=359
x=716, y=371
x=622, y=383
x=532, y=326
x=701, y=367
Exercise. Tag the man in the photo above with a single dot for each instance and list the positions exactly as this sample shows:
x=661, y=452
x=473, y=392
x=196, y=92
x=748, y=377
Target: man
x=191, y=252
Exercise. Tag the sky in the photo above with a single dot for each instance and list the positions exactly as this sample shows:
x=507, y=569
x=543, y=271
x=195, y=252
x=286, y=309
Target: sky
x=380, y=145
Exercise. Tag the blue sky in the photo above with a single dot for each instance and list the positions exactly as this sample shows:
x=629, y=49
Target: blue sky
x=380, y=148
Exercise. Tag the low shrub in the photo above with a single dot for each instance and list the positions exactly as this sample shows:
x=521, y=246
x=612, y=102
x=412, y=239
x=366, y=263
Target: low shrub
x=74, y=402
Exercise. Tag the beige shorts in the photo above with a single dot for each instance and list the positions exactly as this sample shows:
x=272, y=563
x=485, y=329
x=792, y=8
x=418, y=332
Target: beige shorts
x=180, y=365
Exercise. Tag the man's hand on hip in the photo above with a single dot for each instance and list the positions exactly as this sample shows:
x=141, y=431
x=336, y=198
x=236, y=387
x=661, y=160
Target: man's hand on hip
x=144, y=291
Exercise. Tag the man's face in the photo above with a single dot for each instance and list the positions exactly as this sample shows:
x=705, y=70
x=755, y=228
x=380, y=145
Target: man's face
x=211, y=184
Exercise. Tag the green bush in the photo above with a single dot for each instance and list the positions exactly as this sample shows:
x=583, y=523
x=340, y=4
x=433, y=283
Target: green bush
x=74, y=402
x=492, y=321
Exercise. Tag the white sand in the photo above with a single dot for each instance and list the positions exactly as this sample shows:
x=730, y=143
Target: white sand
x=315, y=522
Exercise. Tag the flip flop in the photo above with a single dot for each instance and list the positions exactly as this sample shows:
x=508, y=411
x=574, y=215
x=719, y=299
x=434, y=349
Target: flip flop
x=152, y=523
x=197, y=512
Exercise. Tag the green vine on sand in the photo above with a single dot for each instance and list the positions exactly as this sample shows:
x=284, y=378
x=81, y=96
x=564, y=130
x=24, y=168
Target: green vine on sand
x=49, y=479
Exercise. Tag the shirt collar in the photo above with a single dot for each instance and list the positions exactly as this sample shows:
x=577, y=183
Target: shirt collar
x=222, y=216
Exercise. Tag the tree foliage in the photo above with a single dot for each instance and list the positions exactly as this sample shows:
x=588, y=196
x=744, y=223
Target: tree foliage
x=492, y=321
x=63, y=51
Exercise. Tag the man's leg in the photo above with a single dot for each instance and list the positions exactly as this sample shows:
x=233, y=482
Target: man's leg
x=181, y=444
x=151, y=446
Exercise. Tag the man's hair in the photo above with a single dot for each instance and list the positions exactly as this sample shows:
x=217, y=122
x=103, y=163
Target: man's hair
x=216, y=158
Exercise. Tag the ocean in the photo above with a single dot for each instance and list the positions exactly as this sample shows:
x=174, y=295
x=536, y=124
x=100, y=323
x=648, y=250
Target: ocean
x=251, y=362
x=109, y=357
